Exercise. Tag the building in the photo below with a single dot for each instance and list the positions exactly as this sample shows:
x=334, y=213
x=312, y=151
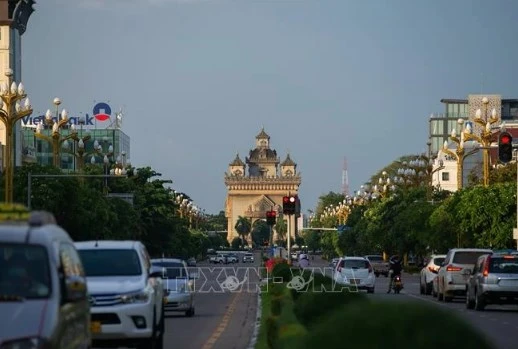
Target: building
x=258, y=185
x=457, y=112
x=40, y=151
x=441, y=124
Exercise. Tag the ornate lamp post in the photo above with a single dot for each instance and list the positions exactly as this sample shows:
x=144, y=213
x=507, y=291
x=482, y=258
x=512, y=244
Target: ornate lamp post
x=120, y=165
x=55, y=139
x=459, y=154
x=485, y=137
x=11, y=111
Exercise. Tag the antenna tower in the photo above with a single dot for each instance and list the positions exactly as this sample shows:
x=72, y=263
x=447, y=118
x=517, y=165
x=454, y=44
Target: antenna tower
x=345, y=179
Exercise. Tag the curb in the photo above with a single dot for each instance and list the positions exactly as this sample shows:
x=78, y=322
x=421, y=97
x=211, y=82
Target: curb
x=255, y=334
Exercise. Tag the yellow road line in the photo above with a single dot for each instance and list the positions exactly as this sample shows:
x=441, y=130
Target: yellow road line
x=223, y=324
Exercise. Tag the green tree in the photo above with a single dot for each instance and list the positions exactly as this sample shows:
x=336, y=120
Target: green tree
x=243, y=228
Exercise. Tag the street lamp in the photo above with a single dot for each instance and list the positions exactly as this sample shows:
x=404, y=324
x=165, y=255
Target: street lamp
x=120, y=166
x=11, y=111
x=55, y=139
x=459, y=154
x=78, y=149
x=485, y=137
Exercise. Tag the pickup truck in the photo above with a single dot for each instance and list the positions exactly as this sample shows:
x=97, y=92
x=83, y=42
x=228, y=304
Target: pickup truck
x=379, y=265
x=218, y=259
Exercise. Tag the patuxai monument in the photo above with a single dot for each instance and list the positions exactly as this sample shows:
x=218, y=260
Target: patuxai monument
x=258, y=185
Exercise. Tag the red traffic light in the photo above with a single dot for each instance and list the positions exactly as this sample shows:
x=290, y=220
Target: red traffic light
x=286, y=199
x=505, y=139
x=271, y=214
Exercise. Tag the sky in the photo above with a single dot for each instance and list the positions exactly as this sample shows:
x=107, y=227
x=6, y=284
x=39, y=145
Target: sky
x=327, y=79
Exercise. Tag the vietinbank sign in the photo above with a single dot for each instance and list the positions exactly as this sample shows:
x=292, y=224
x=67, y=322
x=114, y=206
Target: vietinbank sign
x=101, y=112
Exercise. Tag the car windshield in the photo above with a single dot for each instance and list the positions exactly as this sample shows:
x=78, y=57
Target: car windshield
x=171, y=270
x=354, y=264
x=504, y=265
x=438, y=260
x=375, y=258
x=108, y=262
x=466, y=257
x=24, y=272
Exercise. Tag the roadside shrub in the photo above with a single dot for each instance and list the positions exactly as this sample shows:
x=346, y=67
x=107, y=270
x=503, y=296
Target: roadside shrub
x=310, y=306
x=289, y=333
x=272, y=332
x=391, y=324
x=282, y=270
x=315, y=282
x=276, y=289
x=276, y=305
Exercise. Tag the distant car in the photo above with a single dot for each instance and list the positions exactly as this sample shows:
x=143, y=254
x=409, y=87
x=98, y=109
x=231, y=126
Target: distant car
x=178, y=285
x=429, y=273
x=232, y=258
x=493, y=280
x=379, y=265
x=356, y=273
x=191, y=262
x=248, y=258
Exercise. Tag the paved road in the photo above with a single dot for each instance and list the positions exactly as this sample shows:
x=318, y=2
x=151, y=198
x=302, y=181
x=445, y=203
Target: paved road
x=498, y=323
x=226, y=311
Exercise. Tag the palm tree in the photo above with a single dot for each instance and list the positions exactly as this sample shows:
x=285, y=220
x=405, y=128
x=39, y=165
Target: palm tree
x=243, y=227
x=280, y=228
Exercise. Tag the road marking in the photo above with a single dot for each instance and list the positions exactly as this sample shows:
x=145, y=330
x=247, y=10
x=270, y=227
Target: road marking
x=223, y=324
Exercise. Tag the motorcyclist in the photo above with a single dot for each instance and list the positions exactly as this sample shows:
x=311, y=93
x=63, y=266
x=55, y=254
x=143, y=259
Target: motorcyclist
x=395, y=270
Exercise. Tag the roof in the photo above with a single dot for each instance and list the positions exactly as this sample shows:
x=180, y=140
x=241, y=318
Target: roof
x=167, y=260
x=354, y=258
x=237, y=161
x=107, y=244
x=262, y=135
x=17, y=233
x=255, y=155
x=288, y=161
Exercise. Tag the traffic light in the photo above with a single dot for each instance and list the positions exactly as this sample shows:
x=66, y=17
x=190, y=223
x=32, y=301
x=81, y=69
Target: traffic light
x=270, y=217
x=505, y=147
x=289, y=205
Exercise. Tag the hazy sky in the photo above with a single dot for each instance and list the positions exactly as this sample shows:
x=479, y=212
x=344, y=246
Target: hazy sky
x=326, y=78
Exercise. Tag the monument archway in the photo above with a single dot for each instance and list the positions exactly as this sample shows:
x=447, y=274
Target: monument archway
x=258, y=184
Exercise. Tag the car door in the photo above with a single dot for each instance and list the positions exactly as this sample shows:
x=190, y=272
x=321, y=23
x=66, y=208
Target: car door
x=74, y=311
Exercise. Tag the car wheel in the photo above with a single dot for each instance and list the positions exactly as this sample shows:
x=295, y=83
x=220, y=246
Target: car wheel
x=190, y=312
x=421, y=287
x=470, y=304
x=428, y=288
x=479, y=302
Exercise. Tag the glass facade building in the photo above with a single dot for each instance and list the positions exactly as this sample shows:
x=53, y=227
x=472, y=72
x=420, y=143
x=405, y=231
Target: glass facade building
x=40, y=151
x=441, y=124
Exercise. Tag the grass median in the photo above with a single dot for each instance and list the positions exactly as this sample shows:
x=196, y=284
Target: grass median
x=321, y=316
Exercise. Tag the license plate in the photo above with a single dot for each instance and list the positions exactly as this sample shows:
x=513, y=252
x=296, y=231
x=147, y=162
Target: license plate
x=95, y=327
x=165, y=300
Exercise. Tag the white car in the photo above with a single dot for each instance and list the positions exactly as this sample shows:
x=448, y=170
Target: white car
x=178, y=285
x=456, y=269
x=355, y=273
x=126, y=300
x=429, y=273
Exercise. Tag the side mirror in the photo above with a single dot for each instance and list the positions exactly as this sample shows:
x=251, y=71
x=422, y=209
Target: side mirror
x=75, y=289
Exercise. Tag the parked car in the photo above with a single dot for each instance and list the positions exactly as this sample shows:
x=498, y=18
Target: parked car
x=126, y=299
x=429, y=273
x=379, y=265
x=356, y=273
x=493, y=280
x=178, y=285
x=232, y=258
x=43, y=291
x=456, y=268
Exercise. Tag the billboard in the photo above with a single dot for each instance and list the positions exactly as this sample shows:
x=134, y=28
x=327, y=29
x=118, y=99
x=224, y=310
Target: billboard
x=101, y=113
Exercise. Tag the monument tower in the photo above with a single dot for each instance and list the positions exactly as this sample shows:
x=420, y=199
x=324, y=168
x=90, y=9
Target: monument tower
x=260, y=190
x=14, y=16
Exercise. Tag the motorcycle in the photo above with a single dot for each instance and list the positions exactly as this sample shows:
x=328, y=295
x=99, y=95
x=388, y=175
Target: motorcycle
x=397, y=284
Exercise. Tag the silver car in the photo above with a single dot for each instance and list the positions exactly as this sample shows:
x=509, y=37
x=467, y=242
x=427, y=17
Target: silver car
x=178, y=285
x=493, y=280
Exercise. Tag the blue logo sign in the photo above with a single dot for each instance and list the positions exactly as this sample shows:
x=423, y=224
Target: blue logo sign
x=102, y=111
